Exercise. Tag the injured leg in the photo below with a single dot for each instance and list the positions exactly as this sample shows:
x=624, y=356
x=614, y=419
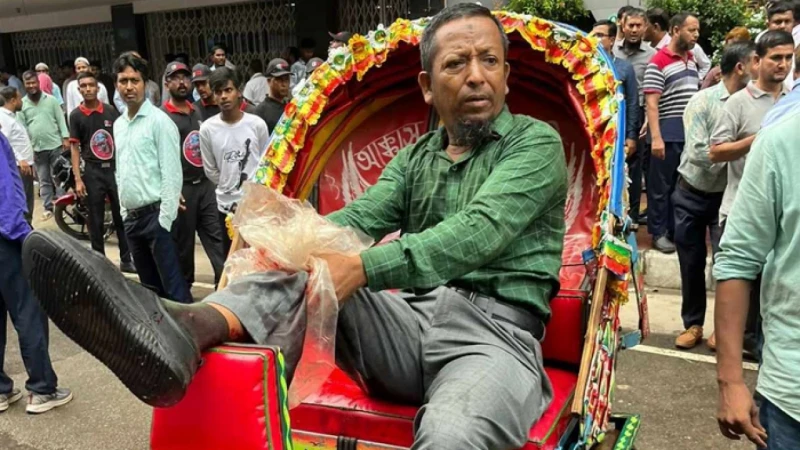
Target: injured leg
x=153, y=345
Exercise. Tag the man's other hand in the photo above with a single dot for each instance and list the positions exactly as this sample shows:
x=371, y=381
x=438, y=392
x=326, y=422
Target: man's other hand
x=80, y=189
x=347, y=274
x=738, y=415
x=659, y=149
x=25, y=168
x=182, y=204
x=630, y=147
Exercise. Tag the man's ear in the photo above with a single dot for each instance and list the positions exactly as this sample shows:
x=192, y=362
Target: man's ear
x=508, y=72
x=424, y=80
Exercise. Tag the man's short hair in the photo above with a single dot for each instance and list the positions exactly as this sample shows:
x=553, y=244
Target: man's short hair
x=779, y=8
x=30, y=74
x=612, y=27
x=458, y=11
x=8, y=93
x=84, y=75
x=220, y=77
x=129, y=59
x=657, y=16
x=218, y=47
x=772, y=39
x=678, y=20
x=735, y=53
x=636, y=12
x=622, y=12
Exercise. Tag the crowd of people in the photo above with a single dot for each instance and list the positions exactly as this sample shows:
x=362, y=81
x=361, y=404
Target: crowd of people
x=167, y=158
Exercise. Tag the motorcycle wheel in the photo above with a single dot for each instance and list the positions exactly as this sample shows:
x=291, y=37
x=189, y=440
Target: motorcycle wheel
x=67, y=223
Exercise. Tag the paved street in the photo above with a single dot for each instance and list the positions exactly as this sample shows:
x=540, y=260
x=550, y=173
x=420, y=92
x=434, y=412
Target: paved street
x=675, y=395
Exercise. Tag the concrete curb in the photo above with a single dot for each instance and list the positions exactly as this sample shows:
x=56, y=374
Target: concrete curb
x=663, y=271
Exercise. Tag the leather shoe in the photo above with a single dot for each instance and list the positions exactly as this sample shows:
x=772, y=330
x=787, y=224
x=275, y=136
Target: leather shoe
x=690, y=338
x=664, y=245
x=121, y=323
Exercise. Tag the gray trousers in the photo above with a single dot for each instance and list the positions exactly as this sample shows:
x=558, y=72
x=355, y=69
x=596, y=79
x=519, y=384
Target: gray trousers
x=44, y=161
x=481, y=381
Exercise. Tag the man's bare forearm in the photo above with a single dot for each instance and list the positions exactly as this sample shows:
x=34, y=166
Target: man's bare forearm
x=76, y=162
x=730, y=315
x=653, y=116
x=731, y=151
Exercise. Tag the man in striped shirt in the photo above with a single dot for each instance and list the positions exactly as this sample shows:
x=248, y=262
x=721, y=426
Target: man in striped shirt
x=670, y=81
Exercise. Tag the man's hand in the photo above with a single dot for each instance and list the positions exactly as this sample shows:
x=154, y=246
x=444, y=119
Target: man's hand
x=347, y=274
x=738, y=414
x=65, y=143
x=80, y=188
x=659, y=149
x=25, y=168
x=182, y=204
x=630, y=147
x=643, y=131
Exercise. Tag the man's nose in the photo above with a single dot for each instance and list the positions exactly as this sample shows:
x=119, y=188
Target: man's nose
x=475, y=75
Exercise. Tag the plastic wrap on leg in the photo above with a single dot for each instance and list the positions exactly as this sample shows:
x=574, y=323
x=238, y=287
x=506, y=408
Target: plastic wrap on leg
x=287, y=234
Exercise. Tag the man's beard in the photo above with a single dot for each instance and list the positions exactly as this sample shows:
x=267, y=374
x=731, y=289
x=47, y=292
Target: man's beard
x=684, y=45
x=35, y=96
x=180, y=97
x=470, y=133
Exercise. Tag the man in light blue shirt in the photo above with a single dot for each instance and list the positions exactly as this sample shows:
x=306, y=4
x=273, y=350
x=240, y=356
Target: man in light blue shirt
x=150, y=179
x=763, y=232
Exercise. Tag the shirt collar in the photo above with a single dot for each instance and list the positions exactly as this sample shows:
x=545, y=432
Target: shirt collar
x=144, y=110
x=668, y=52
x=88, y=112
x=620, y=44
x=257, y=75
x=722, y=90
x=8, y=112
x=501, y=125
x=172, y=109
x=755, y=92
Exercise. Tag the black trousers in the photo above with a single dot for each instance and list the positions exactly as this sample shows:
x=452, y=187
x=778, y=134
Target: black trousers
x=156, y=256
x=695, y=212
x=17, y=301
x=226, y=240
x=100, y=183
x=27, y=184
x=661, y=180
x=201, y=217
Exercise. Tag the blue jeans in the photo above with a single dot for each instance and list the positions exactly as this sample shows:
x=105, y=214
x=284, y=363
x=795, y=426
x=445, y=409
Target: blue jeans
x=17, y=301
x=156, y=257
x=783, y=432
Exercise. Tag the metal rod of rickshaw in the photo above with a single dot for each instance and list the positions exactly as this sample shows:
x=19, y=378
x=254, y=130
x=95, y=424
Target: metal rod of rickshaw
x=595, y=313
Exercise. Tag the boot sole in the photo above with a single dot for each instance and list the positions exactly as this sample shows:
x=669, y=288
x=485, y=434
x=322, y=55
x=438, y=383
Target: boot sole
x=89, y=300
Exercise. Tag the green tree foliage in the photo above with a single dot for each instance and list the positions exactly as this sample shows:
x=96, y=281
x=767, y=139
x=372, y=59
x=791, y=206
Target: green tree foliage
x=717, y=17
x=567, y=11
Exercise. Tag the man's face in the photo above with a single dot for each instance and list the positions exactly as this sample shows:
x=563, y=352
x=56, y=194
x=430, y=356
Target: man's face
x=130, y=84
x=279, y=87
x=88, y=88
x=204, y=90
x=179, y=85
x=650, y=32
x=688, y=33
x=782, y=22
x=601, y=32
x=228, y=97
x=220, y=57
x=774, y=67
x=32, y=85
x=634, y=29
x=306, y=53
x=336, y=44
x=467, y=83
x=81, y=67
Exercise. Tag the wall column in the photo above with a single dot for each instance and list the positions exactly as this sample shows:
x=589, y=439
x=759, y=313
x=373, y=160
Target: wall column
x=129, y=31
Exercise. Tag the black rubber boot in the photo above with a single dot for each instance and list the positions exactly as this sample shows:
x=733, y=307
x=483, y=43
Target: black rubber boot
x=121, y=323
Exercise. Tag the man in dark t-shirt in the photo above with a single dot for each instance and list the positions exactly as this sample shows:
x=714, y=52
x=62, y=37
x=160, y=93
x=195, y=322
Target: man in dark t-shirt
x=198, y=213
x=271, y=109
x=91, y=132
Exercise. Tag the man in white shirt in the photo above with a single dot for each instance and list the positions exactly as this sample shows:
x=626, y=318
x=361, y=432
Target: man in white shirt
x=72, y=96
x=231, y=143
x=256, y=89
x=20, y=142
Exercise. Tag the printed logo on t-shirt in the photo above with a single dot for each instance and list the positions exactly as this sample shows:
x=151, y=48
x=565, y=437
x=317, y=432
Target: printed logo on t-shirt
x=191, y=149
x=102, y=145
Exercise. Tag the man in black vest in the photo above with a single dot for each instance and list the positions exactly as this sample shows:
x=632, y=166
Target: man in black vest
x=198, y=212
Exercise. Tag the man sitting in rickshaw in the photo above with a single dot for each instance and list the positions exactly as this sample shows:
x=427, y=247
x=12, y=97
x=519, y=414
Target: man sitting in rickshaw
x=480, y=203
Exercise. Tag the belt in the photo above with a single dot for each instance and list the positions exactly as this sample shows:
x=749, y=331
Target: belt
x=144, y=210
x=496, y=309
x=685, y=184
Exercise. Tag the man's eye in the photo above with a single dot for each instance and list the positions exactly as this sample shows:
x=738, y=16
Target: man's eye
x=491, y=60
x=454, y=64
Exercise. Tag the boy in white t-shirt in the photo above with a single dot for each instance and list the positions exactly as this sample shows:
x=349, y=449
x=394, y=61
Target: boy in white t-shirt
x=232, y=144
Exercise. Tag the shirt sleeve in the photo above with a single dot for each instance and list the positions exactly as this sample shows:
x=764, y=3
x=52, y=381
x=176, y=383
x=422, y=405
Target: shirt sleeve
x=653, y=80
x=703, y=62
x=699, y=123
x=168, y=144
x=210, y=166
x=20, y=142
x=379, y=211
x=263, y=138
x=631, y=103
x=751, y=227
x=727, y=125
x=74, y=129
x=528, y=180
x=59, y=116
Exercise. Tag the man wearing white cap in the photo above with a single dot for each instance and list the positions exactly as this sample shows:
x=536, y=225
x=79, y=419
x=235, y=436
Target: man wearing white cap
x=73, y=94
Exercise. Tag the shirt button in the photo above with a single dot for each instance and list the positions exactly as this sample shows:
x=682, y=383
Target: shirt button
x=454, y=169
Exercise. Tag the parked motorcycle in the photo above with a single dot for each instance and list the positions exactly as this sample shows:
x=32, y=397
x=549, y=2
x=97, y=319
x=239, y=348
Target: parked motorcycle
x=71, y=212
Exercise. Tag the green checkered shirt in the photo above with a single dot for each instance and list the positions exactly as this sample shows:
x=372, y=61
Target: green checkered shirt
x=493, y=222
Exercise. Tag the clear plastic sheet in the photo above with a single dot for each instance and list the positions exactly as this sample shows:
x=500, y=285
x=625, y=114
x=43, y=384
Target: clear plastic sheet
x=287, y=234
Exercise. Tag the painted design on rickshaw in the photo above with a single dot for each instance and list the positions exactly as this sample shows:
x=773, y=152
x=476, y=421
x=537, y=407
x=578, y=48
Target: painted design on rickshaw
x=102, y=145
